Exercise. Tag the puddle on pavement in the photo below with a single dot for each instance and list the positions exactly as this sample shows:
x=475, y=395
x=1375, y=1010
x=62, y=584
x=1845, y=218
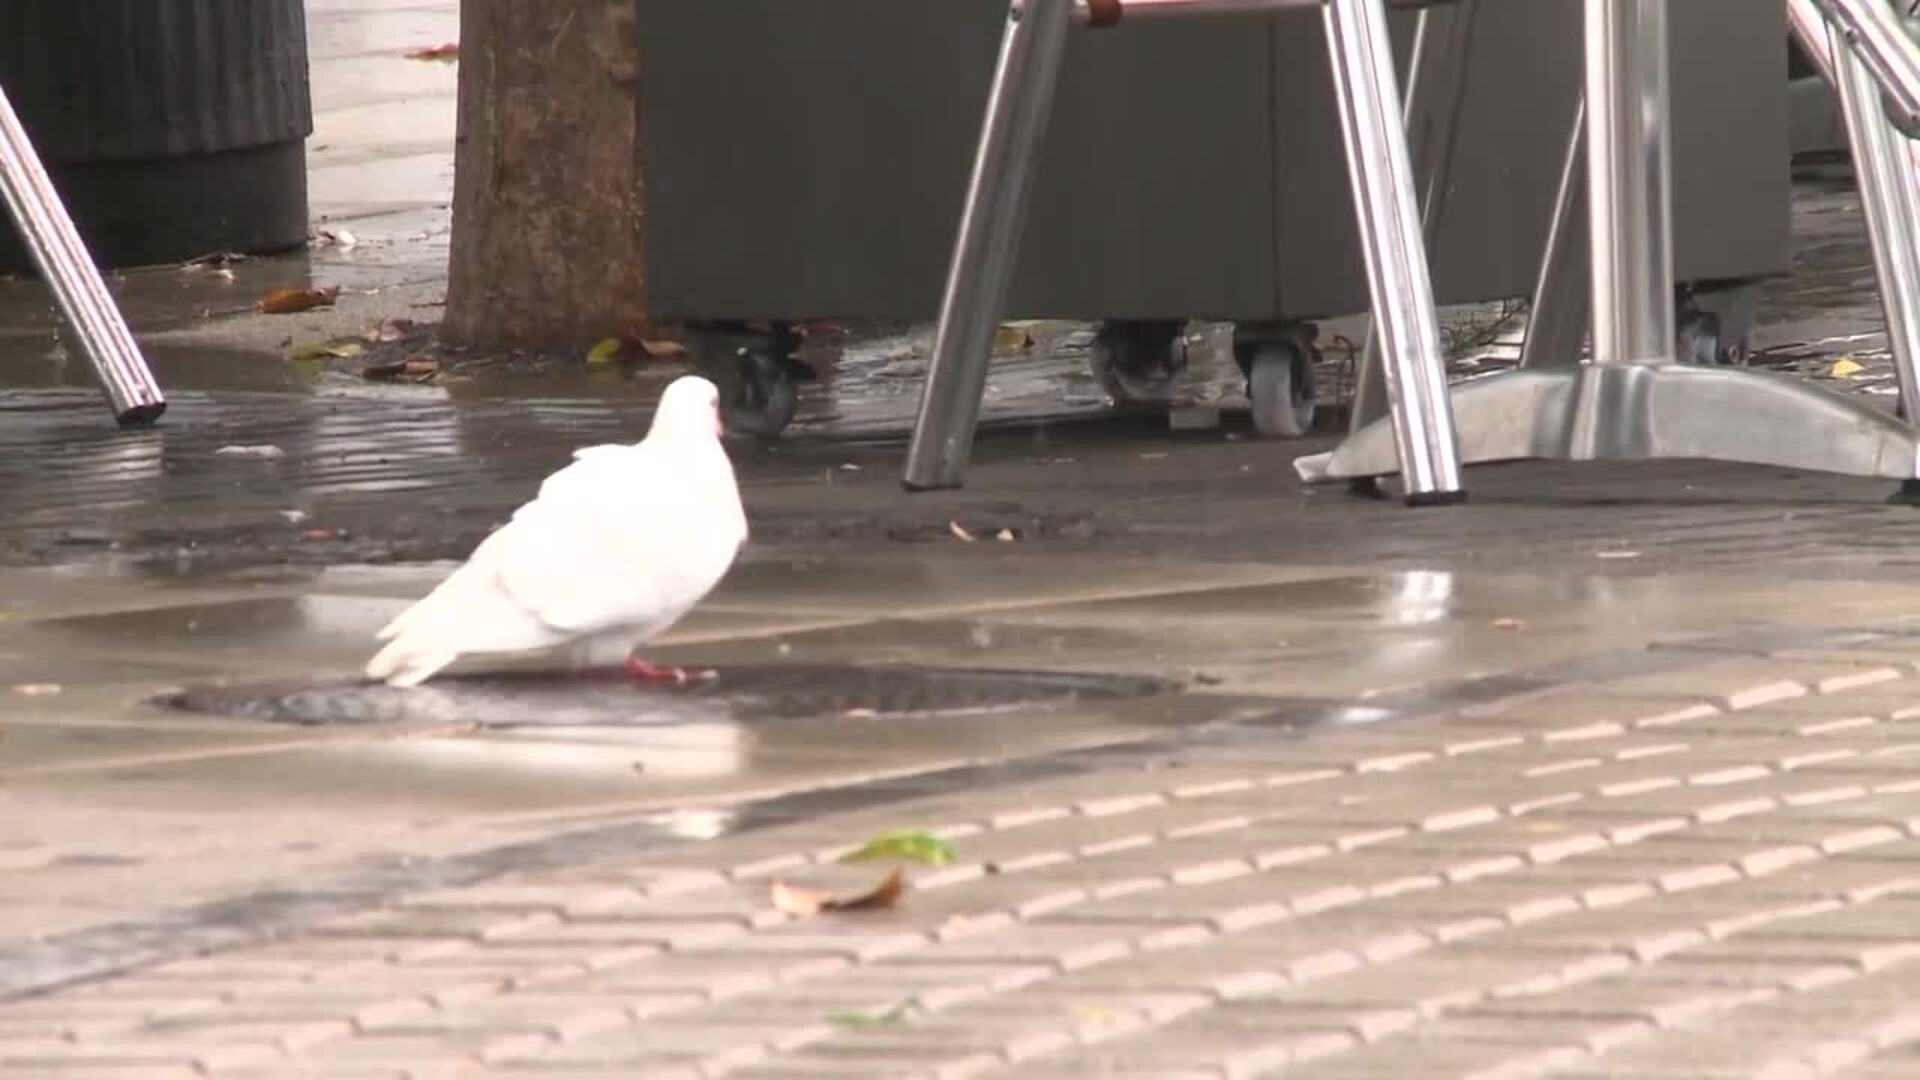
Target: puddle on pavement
x=738, y=694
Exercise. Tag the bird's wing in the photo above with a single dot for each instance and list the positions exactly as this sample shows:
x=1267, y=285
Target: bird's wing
x=620, y=538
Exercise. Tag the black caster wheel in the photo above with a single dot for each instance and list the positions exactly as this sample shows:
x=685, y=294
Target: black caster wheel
x=1700, y=342
x=1135, y=362
x=757, y=373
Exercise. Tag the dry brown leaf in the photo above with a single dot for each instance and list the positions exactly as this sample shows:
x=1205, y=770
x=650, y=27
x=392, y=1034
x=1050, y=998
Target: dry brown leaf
x=960, y=532
x=418, y=368
x=447, y=52
x=663, y=350
x=805, y=903
x=294, y=301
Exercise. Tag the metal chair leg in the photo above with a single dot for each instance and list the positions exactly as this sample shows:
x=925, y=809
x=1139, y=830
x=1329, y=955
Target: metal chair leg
x=1435, y=93
x=1634, y=401
x=1399, y=285
x=1889, y=190
x=62, y=257
x=1557, y=313
x=983, y=257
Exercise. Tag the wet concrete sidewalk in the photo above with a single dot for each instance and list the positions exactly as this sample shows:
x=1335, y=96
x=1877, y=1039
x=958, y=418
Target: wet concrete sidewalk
x=1438, y=822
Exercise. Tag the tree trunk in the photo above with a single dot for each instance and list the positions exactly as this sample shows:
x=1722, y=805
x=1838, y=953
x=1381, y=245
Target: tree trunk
x=547, y=197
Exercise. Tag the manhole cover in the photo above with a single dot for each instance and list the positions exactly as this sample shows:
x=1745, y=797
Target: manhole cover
x=739, y=694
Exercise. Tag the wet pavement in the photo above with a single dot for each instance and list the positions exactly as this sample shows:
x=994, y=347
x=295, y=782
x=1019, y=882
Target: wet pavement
x=1606, y=773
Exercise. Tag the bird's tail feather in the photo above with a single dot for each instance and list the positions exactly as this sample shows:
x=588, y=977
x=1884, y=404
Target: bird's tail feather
x=402, y=663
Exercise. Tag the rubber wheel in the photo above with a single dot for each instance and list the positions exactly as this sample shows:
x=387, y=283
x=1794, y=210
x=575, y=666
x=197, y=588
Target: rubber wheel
x=1698, y=339
x=1136, y=364
x=763, y=395
x=1280, y=386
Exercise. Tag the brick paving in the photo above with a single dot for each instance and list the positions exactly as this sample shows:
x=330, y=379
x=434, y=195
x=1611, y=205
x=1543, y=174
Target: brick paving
x=1709, y=872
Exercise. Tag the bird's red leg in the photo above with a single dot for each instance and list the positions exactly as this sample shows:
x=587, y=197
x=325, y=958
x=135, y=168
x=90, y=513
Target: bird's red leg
x=651, y=674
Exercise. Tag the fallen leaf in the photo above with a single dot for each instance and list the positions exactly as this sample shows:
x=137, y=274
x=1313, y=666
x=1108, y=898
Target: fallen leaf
x=1507, y=622
x=294, y=301
x=805, y=903
x=1005, y=536
x=663, y=350
x=1846, y=367
x=893, y=1015
x=604, y=351
x=38, y=689
x=320, y=350
x=858, y=714
x=915, y=845
x=1012, y=336
x=320, y=534
x=959, y=532
x=446, y=53
x=417, y=368
x=264, y=450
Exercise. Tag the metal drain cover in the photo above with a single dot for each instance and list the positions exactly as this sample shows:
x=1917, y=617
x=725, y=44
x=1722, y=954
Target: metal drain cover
x=745, y=693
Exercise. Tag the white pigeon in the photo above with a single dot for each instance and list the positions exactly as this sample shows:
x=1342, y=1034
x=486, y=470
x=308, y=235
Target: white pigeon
x=614, y=549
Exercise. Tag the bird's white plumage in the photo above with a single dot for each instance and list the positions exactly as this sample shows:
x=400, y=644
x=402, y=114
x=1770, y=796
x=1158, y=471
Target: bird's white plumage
x=616, y=547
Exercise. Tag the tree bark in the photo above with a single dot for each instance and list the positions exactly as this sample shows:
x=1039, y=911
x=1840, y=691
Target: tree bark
x=547, y=196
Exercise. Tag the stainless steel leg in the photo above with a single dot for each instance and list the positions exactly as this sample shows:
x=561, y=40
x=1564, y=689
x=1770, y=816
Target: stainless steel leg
x=983, y=257
x=1557, y=315
x=1876, y=31
x=1889, y=177
x=1629, y=181
x=1633, y=401
x=1399, y=286
x=1436, y=92
x=69, y=271
x=1887, y=200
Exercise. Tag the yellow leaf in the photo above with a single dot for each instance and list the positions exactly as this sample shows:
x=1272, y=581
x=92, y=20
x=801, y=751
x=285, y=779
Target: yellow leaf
x=604, y=352
x=1846, y=367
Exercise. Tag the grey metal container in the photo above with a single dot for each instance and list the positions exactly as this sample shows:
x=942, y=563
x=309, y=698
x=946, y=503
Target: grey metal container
x=807, y=159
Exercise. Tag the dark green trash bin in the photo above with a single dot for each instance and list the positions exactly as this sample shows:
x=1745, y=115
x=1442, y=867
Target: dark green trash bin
x=172, y=128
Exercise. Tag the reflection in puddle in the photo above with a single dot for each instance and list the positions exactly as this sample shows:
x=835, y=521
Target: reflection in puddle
x=1422, y=597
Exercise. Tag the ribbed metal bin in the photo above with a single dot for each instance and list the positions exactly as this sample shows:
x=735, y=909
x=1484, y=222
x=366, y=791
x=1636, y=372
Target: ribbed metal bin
x=172, y=128
x=807, y=158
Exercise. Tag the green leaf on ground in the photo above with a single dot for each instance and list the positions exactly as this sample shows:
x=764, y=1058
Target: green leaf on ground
x=894, y=1015
x=914, y=845
x=311, y=351
x=604, y=351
